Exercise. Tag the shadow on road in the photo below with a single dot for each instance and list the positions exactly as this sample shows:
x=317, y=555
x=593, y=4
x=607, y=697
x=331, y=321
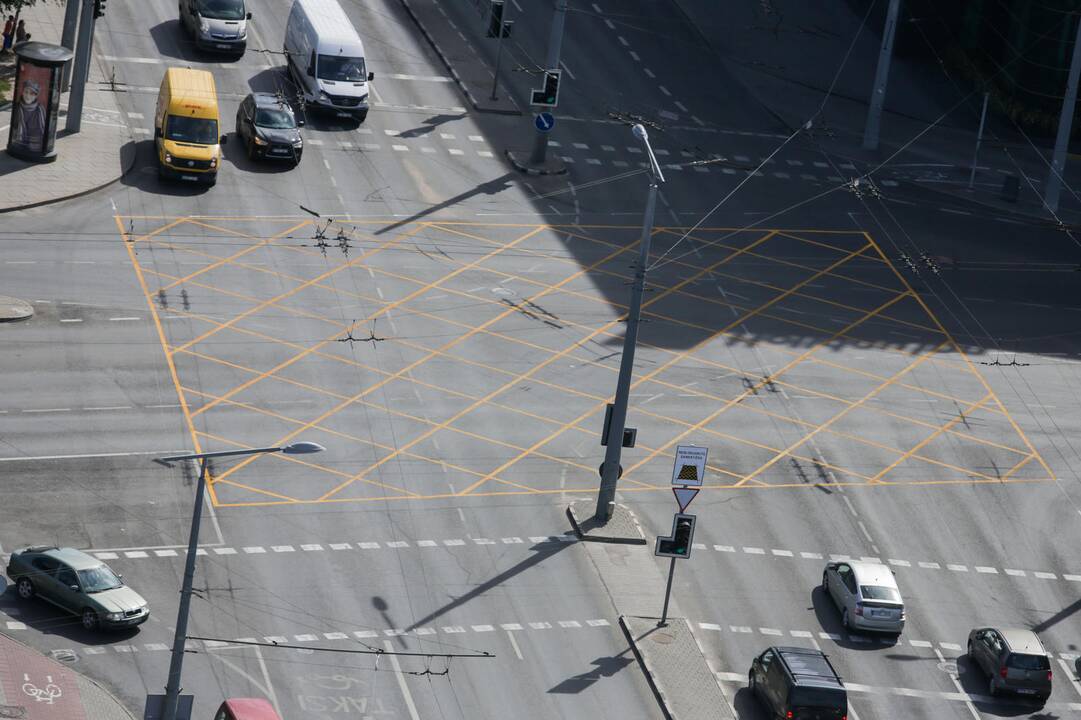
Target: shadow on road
x=542, y=551
x=605, y=667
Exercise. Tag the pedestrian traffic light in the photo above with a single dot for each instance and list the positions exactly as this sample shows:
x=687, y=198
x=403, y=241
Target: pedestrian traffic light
x=495, y=18
x=549, y=96
x=99, y=8
x=678, y=544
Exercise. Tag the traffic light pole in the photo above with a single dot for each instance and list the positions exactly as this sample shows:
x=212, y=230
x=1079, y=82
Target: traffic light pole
x=82, y=67
x=1065, y=125
x=882, y=74
x=555, y=39
x=610, y=468
x=67, y=38
x=667, y=594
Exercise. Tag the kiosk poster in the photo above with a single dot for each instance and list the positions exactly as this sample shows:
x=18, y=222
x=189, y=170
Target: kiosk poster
x=28, y=121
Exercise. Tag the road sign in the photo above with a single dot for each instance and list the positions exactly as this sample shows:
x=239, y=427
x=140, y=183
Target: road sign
x=678, y=544
x=544, y=121
x=684, y=495
x=690, y=465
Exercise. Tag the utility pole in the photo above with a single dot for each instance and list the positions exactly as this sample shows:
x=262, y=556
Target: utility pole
x=610, y=469
x=878, y=93
x=503, y=29
x=81, y=72
x=67, y=39
x=555, y=39
x=1065, y=125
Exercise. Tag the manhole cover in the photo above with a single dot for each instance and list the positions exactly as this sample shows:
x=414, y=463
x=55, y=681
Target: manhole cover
x=67, y=656
x=503, y=292
x=14, y=712
x=663, y=638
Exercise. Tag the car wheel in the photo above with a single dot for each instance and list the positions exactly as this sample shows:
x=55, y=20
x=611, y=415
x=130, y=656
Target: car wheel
x=90, y=619
x=991, y=689
x=25, y=588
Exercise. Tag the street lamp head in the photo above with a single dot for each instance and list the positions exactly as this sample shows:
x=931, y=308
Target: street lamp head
x=302, y=448
x=639, y=131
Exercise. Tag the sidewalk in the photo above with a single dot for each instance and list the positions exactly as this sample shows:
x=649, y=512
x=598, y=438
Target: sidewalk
x=34, y=687
x=95, y=157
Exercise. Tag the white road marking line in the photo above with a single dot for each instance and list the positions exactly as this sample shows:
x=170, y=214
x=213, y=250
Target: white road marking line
x=70, y=320
x=48, y=410
x=753, y=550
x=930, y=565
x=634, y=56
x=1015, y=573
x=102, y=409
x=256, y=550
x=455, y=151
x=649, y=73
x=409, y=704
x=419, y=78
x=609, y=24
x=514, y=645
x=782, y=553
x=123, y=319
x=811, y=556
x=1046, y=575
x=664, y=90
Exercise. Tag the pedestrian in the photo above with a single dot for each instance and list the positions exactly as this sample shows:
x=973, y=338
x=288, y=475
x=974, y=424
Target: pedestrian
x=9, y=32
x=21, y=35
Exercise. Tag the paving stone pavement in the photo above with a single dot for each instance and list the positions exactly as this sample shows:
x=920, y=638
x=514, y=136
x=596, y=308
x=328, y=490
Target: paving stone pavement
x=89, y=160
x=35, y=687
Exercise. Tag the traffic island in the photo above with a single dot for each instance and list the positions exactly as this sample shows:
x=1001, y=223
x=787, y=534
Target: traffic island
x=14, y=309
x=520, y=159
x=622, y=527
x=676, y=669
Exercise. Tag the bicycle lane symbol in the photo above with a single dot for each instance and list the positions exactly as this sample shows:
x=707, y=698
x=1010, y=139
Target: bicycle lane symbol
x=46, y=694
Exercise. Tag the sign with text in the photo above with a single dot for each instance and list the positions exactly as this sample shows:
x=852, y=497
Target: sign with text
x=690, y=465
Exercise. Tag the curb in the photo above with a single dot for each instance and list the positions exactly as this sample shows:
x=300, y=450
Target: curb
x=133, y=155
x=534, y=171
x=454, y=73
x=79, y=677
x=657, y=692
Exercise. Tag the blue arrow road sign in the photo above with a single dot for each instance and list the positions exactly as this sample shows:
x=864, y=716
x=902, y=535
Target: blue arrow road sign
x=544, y=121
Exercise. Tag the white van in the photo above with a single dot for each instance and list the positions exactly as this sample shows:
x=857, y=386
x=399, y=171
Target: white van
x=326, y=58
x=216, y=25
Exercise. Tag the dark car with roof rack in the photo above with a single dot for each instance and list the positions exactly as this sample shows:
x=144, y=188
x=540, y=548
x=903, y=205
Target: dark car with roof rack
x=798, y=683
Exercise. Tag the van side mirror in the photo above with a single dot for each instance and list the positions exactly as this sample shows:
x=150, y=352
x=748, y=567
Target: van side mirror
x=300, y=122
x=74, y=588
x=223, y=139
x=371, y=76
x=249, y=16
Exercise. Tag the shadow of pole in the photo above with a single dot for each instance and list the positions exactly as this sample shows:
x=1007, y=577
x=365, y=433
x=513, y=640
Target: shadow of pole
x=1057, y=617
x=492, y=187
x=542, y=551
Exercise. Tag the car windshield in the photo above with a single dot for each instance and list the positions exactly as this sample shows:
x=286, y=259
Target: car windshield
x=192, y=130
x=880, y=592
x=222, y=9
x=1028, y=662
x=98, y=579
x=274, y=119
x=340, y=68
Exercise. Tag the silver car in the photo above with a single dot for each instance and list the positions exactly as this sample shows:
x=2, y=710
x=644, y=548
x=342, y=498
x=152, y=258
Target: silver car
x=866, y=594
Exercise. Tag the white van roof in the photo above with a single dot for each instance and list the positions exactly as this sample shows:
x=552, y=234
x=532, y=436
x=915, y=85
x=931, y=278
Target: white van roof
x=331, y=24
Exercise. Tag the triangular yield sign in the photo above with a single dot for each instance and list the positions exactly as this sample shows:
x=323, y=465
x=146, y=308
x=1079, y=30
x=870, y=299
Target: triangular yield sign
x=684, y=495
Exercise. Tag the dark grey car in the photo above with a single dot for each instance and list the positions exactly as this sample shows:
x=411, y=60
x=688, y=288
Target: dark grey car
x=269, y=129
x=1014, y=660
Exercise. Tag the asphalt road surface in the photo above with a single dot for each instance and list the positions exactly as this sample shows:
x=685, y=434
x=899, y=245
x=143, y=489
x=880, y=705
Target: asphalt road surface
x=450, y=331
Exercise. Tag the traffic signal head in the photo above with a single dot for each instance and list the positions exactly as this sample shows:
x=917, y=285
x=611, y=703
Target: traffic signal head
x=99, y=8
x=495, y=18
x=549, y=96
x=678, y=544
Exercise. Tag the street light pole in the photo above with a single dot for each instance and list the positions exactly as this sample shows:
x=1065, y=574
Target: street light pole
x=882, y=74
x=610, y=469
x=176, y=662
x=1065, y=125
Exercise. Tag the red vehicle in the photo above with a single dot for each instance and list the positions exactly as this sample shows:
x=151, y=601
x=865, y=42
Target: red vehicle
x=246, y=709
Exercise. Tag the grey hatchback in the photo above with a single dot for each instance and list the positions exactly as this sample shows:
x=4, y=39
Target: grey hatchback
x=1014, y=660
x=78, y=583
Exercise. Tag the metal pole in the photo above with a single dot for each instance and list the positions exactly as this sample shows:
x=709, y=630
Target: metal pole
x=176, y=663
x=667, y=594
x=67, y=39
x=1065, y=125
x=878, y=93
x=82, y=67
x=979, y=139
x=555, y=39
x=610, y=469
x=498, y=54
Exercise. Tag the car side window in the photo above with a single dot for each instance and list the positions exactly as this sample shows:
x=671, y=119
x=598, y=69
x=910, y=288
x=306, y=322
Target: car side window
x=45, y=565
x=847, y=577
x=995, y=642
x=765, y=660
x=66, y=577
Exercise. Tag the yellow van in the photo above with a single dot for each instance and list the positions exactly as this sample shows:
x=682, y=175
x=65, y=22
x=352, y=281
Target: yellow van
x=187, y=126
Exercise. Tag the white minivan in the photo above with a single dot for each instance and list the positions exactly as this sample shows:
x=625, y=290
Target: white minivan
x=326, y=58
x=216, y=25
